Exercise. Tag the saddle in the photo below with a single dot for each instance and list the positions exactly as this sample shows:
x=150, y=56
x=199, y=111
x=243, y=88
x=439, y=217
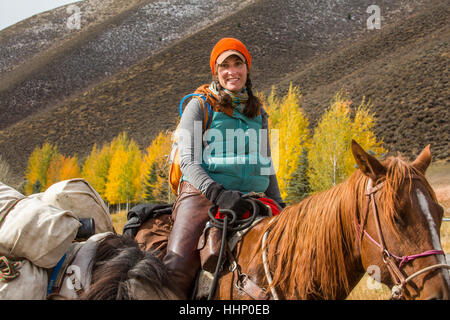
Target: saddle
x=73, y=275
x=211, y=238
x=209, y=258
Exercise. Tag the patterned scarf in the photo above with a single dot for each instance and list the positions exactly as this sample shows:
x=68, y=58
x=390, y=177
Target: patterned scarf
x=239, y=99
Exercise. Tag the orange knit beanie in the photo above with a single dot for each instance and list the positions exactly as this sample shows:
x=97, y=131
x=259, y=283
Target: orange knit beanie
x=226, y=44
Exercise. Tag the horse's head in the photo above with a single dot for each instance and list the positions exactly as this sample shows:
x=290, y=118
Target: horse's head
x=399, y=227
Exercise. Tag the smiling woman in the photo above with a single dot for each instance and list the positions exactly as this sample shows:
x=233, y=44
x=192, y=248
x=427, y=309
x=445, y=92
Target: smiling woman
x=228, y=169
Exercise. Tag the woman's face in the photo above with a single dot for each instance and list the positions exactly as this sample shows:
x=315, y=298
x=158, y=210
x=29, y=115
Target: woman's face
x=232, y=73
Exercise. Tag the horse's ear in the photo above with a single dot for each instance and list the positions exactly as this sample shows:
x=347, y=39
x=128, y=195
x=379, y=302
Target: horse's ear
x=369, y=165
x=423, y=160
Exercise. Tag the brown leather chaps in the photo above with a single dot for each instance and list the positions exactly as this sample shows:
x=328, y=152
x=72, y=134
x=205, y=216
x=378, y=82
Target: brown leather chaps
x=190, y=214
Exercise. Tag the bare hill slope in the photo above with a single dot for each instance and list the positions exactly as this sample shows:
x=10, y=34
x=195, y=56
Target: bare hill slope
x=403, y=70
x=45, y=62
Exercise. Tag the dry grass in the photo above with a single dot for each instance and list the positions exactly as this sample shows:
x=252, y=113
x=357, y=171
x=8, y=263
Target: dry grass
x=439, y=176
x=119, y=220
x=443, y=195
x=364, y=291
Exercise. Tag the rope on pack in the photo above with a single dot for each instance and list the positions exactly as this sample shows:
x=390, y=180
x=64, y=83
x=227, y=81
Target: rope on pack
x=8, y=269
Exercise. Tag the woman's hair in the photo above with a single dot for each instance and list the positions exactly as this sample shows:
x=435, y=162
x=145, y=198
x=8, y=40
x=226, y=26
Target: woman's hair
x=253, y=105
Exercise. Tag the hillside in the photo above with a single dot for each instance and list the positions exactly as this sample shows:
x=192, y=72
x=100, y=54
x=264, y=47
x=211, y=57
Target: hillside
x=44, y=61
x=403, y=71
x=321, y=46
x=27, y=39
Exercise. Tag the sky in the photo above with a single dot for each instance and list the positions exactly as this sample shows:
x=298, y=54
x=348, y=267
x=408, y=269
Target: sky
x=13, y=11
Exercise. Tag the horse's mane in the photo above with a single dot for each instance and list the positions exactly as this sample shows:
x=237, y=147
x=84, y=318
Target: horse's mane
x=312, y=242
x=118, y=265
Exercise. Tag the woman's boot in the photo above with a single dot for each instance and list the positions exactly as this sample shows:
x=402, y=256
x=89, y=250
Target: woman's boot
x=190, y=215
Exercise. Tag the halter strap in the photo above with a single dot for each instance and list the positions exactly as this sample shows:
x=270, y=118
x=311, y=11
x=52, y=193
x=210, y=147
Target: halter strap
x=406, y=259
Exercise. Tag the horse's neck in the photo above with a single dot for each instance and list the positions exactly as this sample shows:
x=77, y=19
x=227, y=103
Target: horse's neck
x=345, y=209
x=310, y=244
x=351, y=206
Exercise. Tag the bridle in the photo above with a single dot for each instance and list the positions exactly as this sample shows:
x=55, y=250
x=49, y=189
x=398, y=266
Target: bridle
x=391, y=260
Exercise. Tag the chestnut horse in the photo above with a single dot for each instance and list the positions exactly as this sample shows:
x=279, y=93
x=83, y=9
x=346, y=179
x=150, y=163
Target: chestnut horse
x=384, y=216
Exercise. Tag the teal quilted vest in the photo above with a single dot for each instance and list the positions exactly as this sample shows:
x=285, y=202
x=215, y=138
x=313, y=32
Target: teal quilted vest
x=232, y=156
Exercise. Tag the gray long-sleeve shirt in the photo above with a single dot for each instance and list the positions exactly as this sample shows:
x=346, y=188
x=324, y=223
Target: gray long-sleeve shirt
x=190, y=150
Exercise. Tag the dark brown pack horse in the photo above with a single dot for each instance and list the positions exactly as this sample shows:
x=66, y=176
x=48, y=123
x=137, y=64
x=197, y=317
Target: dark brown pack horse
x=119, y=270
x=385, y=216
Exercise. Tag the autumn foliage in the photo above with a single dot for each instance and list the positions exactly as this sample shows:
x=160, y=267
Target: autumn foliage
x=96, y=168
x=46, y=166
x=118, y=170
x=156, y=169
x=330, y=160
x=310, y=160
x=288, y=121
x=62, y=168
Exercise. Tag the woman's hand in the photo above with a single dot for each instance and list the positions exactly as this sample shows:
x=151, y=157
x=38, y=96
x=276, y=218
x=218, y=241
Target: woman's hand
x=227, y=199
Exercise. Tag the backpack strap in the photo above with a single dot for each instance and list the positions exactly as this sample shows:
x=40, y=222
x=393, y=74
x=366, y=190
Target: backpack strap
x=206, y=120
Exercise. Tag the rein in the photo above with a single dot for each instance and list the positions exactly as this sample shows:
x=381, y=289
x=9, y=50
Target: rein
x=226, y=226
x=390, y=259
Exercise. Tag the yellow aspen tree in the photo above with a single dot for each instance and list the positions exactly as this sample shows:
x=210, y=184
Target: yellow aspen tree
x=101, y=169
x=155, y=169
x=286, y=116
x=330, y=160
x=272, y=106
x=38, y=164
x=363, y=131
x=96, y=168
x=70, y=168
x=121, y=140
x=54, y=169
x=327, y=153
x=160, y=189
x=62, y=168
x=124, y=183
x=132, y=176
x=87, y=170
x=113, y=189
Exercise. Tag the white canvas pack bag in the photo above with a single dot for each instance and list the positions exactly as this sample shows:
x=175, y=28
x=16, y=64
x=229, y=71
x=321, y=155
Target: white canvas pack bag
x=33, y=229
x=79, y=197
